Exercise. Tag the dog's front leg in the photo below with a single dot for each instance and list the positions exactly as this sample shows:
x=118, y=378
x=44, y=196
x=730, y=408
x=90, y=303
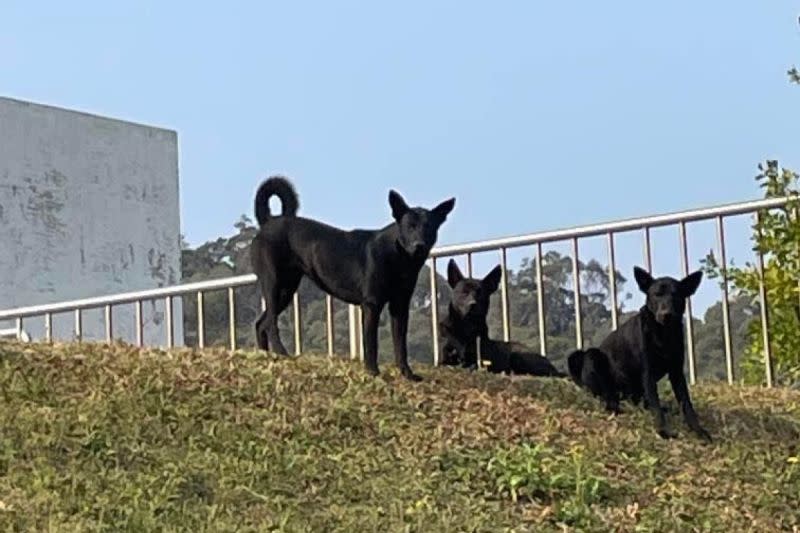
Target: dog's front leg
x=681, y=390
x=653, y=403
x=262, y=339
x=454, y=351
x=399, y=311
x=469, y=355
x=372, y=315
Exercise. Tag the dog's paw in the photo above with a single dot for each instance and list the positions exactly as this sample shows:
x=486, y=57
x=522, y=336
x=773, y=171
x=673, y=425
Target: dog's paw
x=666, y=433
x=703, y=434
x=263, y=343
x=372, y=371
x=411, y=376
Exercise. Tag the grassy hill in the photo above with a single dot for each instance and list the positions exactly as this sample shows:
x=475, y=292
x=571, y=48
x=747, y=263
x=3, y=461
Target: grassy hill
x=119, y=439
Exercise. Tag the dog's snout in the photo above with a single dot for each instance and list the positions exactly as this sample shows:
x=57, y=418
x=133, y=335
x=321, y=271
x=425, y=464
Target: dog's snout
x=665, y=315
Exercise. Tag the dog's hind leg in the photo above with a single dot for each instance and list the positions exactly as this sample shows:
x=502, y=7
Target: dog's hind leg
x=278, y=293
x=262, y=340
x=399, y=311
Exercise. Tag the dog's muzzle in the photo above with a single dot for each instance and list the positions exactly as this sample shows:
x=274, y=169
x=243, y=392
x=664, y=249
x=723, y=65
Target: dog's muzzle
x=419, y=250
x=667, y=318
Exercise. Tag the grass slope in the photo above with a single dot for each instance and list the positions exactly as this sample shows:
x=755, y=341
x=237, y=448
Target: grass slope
x=98, y=438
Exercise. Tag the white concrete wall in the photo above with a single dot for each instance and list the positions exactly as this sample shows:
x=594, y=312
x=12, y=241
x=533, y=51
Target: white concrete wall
x=88, y=206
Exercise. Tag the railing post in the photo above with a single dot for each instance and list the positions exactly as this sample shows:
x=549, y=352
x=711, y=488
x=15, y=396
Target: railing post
x=109, y=323
x=576, y=287
x=201, y=328
x=232, y=318
x=329, y=330
x=762, y=292
x=360, y=326
x=48, y=327
x=169, y=322
x=355, y=340
x=612, y=281
x=78, y=326
x=689, y=322
x=726, y=321
x=478, y=354
x=298, y=329
x=434, y=312
x=648, y=256
x=540, y=299
x=139, y=323
x=504, y=296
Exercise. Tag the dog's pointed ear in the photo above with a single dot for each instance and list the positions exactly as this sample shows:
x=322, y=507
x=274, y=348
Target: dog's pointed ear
x=443, y=209
x=399, y=206
x=492, y=280
x=454, y=274
x=643, y=278
x=690, y=283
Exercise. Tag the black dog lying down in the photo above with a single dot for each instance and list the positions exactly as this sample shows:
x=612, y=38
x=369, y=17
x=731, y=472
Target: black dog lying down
x=466, y=322
x=370, y=268
x=648, y=346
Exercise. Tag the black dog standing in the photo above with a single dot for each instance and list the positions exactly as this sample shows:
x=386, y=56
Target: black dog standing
x=369, y=268
x=643, y=350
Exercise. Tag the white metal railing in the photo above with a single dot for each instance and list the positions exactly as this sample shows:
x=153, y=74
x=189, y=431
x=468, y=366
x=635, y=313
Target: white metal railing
x=572, y=235
x=19, y=334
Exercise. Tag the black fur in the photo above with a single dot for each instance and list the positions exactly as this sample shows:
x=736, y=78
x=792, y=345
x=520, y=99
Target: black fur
x=465, y=323
x=369, y=268
x=283, y=189
x=647, y=347
x=592, y=370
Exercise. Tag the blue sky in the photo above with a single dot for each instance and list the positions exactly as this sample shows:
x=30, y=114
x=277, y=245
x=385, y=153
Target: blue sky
x=535, y=115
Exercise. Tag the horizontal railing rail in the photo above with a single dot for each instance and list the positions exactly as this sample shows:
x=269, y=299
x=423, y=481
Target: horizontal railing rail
x=502, y=245
x=620, y=226
x=128, y=297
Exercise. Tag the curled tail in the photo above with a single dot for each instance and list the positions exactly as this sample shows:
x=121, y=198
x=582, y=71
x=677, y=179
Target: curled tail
x=283, y=189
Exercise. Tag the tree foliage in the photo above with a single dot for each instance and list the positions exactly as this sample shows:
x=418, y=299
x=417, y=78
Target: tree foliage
x=776, y=236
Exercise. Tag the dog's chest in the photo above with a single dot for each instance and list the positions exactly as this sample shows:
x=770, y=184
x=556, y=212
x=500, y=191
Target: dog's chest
x=662, y=353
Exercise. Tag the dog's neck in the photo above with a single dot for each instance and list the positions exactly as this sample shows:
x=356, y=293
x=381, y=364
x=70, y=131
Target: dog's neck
x=466, y=329
x=391, y=233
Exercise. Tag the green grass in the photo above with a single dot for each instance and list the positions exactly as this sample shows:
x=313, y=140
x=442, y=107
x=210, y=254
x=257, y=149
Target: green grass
x=98, y=438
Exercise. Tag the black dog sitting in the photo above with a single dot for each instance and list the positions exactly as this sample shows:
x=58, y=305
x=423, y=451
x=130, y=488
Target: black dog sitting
x=369, y=268
x=466, y=321
x=648, y=346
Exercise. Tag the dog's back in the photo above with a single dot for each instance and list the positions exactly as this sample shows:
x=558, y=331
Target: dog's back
x=516, y=358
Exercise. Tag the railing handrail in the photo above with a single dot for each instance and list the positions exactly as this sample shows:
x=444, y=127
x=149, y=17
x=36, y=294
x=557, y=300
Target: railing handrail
x=619, y=226
x=449, y=250
x=128, y=297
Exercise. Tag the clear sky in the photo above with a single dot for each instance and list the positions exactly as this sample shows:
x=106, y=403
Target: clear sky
x=535, y=115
